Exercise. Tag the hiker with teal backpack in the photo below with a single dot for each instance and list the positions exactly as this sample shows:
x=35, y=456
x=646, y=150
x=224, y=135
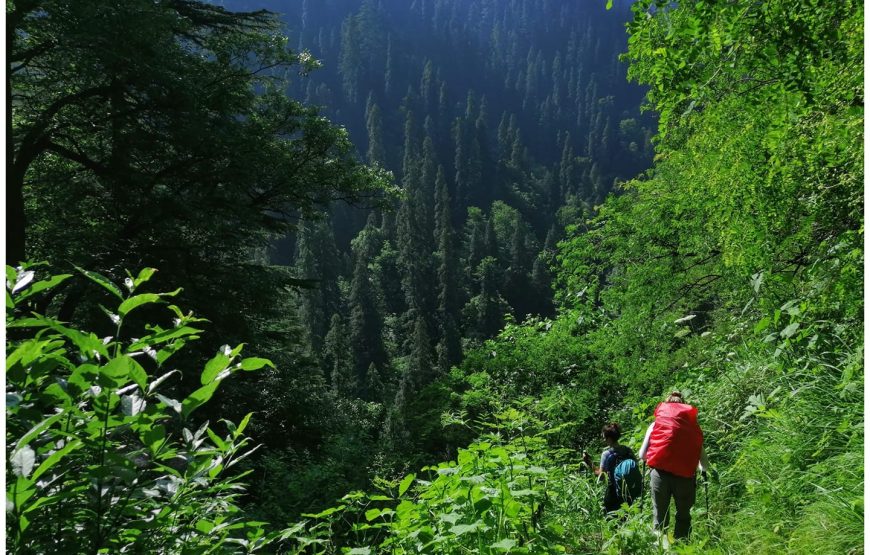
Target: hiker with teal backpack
x=619, y=465
x=673, y=448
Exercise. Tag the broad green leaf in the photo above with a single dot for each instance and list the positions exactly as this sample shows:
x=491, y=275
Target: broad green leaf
x=9, y=302
x=406, y=483
x=136, y=301
x=156, y=383
x=198, y=398
x=256, y=363
x=372, y=514
x=213, y=368
x=608, y=5
x=216, y=439
x=55, y=457
x=154, y=437
x=242, y=425
x=762, y=324
x=87, y=344
x=360, y=551
x=131, y=405
x=172, y=403
x=144, y=275
x=506, y=543
x=325, y=512
x=102, y=281
x=44, y=285
x=123, y=367
x=789, y=330
x=162, y=337
x=461, y=529
x=38, y=429
x=204, y=526
x=21, y=491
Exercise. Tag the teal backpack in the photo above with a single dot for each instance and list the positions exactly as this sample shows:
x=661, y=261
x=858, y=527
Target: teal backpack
x=626, y=478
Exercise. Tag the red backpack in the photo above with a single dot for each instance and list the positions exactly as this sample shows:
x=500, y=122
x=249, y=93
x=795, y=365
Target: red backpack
x=676, y=439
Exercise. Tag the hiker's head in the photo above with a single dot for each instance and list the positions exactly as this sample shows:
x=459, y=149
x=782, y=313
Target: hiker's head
x=675, y=397
x=611, y=432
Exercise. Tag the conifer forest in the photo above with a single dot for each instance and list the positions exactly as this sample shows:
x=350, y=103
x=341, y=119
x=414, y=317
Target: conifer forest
x=370, y=276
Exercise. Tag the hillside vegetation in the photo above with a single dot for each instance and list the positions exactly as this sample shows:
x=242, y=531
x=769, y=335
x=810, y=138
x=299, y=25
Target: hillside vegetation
x=399, y=409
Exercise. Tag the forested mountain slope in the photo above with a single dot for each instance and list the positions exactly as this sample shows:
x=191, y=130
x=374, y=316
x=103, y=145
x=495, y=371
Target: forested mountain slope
x=502, y=123
x=732, y=270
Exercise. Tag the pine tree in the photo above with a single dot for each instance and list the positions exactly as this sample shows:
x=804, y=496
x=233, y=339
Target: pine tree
x=316, y=260
x=366, y=340
x=566, y=167
x=475, y=244
x=420, y=363
x=388, y=67
x=450, y=349
x=483, y=314
x=516, y=287
x=338, y=359
x=490, y=240
x=376, y=154
x=428, y=93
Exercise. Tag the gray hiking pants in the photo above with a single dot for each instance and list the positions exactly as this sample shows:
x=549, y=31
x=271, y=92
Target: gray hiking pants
x=665, y=485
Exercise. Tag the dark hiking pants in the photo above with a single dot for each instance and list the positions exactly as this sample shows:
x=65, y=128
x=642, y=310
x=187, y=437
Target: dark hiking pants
x=664, y=486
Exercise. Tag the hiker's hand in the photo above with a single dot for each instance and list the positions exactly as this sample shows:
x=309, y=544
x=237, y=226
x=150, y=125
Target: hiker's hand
x=587, y=460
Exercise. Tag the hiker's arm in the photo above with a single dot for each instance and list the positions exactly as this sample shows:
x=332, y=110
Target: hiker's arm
x=587, y=460
x=599, y=472
x=642, y=453
x=703, y=463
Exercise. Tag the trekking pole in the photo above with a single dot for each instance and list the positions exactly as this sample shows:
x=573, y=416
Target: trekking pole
x=706, y=494
x=642, y=484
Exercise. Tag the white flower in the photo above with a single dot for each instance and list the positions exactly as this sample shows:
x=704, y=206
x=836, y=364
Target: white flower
x=128, y=283
x=226, y=350
x=24, y=279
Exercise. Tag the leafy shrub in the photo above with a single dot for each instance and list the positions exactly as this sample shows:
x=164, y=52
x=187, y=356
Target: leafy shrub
x=99, y=460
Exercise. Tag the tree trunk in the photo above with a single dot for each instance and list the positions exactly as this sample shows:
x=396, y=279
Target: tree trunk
x=15, y=219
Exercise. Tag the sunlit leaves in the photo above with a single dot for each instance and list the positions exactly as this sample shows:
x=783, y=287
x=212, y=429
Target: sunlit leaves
x=84, y=416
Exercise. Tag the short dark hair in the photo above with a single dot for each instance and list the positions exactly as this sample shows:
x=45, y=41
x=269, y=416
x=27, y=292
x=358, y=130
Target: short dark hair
x=612, y=430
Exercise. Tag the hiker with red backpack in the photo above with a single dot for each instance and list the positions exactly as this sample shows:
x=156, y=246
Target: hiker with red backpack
x=673, y=448
x=619, y=465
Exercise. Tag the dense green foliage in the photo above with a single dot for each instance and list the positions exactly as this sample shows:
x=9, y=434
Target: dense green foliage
x=102, y=458
x=501, y=132
x=732, y=270
x=522, y=287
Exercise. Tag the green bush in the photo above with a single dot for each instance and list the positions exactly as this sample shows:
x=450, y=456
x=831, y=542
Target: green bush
x=99, y=460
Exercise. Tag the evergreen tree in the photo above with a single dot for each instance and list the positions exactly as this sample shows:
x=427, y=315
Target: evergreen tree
x=339, y=359
x=420, y=362
x=484, y=314
x=366, y=340
x=376, y=154
x=490, y=240
x=317, y=260
x=450, y=349
x=475, y=244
